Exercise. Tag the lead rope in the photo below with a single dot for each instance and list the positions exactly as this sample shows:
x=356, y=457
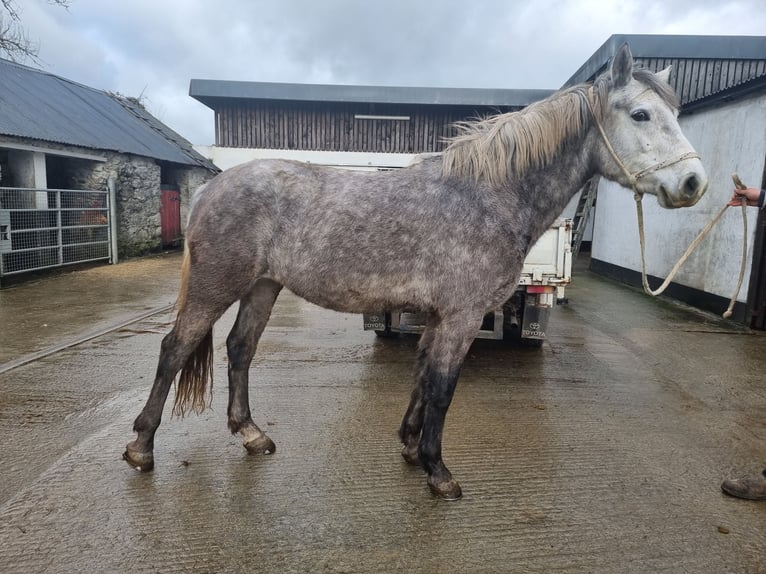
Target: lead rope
x=633, y=179
x=690, y=250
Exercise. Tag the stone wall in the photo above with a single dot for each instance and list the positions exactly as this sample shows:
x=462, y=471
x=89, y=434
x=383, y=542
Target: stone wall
x=138, y=198
x=137, y=182
x=138, y=204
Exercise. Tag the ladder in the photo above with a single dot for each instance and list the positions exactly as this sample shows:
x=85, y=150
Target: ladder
x=582, y=213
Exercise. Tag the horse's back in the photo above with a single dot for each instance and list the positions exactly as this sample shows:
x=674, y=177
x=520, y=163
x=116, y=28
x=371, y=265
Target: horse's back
x=348, y=240
x=262, y=180
x=293, y=194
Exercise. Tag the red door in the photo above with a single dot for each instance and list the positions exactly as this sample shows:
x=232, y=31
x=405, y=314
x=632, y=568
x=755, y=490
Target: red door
x=170, y=216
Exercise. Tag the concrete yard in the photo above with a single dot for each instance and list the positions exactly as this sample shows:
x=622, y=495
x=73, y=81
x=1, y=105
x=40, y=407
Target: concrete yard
x=601, y=452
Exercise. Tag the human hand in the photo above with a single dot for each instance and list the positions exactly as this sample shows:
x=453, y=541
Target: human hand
x=751, y=194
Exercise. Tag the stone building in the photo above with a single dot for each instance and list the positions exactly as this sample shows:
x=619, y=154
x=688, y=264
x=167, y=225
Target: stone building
x=59, y=138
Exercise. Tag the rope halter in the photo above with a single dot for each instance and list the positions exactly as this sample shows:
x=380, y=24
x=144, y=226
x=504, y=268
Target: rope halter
x=638, y=196
x=633, y=177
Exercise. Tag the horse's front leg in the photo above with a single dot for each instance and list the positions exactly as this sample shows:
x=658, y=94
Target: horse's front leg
x=443, y=362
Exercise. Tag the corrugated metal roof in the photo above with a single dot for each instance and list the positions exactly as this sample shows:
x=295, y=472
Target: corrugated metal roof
x=38, y=105
x=705, y=68
x=210, y=91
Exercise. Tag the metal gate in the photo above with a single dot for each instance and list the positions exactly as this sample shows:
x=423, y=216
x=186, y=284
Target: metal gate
x=44, y=228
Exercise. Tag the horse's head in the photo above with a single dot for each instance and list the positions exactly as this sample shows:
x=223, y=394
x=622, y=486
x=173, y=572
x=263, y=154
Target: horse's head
x=639, y=122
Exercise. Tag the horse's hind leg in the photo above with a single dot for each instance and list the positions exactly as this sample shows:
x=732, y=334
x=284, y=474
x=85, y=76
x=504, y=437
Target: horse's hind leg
x=192, y=329
x=254, y=311
x=188, y=348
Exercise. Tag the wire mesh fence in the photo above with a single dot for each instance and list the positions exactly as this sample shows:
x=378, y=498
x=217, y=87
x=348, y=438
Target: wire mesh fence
x=44, y=228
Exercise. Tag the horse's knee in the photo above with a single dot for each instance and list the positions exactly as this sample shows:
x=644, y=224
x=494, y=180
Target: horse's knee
x=440, y=386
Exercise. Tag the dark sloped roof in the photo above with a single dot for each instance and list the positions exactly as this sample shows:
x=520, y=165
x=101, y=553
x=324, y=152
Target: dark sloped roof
x=38, y=105
x=211, y=91
x=705, y=68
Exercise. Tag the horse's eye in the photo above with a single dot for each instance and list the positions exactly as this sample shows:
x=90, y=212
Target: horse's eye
x=640, y=116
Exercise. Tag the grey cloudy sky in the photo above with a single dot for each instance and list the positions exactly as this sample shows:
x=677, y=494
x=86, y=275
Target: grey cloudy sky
x=152, y=48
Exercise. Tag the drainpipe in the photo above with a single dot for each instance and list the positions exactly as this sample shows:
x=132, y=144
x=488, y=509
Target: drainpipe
x=111, y=187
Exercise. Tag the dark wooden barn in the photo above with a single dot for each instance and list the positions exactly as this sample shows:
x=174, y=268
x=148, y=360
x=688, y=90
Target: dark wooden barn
x=336, y=118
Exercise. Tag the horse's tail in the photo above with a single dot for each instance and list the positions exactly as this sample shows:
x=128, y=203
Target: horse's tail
x=194, y=389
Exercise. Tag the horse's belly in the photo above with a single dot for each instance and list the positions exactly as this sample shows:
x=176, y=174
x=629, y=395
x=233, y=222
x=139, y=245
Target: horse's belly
x=359, y=295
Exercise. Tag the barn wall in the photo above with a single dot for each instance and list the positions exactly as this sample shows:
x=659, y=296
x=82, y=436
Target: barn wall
x=318, y=126
x=731, y=138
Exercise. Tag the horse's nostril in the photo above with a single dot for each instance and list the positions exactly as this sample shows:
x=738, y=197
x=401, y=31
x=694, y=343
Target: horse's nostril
x=690, y=186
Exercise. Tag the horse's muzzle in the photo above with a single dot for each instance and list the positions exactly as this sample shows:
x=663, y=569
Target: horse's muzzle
x=691, y=188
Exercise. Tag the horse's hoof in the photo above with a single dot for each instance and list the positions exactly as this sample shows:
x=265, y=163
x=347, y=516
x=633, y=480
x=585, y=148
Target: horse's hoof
x=410, y=455
x=446, y=490
x=143, y=461
x=261, y=445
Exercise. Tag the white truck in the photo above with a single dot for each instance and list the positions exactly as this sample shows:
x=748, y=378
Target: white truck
x=524, y=317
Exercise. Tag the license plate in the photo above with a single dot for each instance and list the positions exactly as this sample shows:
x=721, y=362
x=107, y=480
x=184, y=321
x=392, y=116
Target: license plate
x=374, y=322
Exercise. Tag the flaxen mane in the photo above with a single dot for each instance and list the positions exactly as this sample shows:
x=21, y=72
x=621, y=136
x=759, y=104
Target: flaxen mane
x=489, y=149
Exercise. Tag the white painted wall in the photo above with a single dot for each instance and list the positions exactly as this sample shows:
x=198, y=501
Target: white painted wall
x=225, y=157
x=28, y=168
x=730, y=138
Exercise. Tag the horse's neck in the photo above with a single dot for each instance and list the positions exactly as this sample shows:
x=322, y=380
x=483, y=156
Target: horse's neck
x=546, y=191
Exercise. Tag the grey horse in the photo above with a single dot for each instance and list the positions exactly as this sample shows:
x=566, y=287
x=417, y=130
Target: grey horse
x=446, y=236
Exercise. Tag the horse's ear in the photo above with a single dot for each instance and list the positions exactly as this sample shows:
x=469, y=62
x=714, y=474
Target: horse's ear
x=664, y=75
x=622, y=67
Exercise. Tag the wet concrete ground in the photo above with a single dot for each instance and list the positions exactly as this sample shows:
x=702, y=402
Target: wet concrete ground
x=601, y=452
x=48, y=310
